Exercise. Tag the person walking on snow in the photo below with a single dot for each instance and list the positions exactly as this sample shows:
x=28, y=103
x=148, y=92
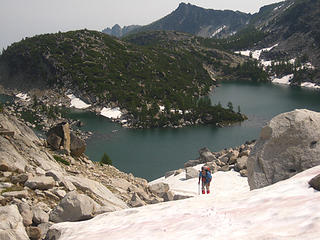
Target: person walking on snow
x=205, y=177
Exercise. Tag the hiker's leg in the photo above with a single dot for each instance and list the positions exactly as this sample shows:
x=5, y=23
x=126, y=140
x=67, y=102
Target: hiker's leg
x=203, y=187
x=208, y=188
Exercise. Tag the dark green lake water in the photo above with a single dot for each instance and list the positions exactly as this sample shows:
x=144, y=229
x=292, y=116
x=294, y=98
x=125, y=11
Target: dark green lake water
x=149, y=153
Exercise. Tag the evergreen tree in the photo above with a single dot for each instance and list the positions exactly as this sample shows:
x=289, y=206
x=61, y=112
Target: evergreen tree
x=105, y=160
x=230, y=106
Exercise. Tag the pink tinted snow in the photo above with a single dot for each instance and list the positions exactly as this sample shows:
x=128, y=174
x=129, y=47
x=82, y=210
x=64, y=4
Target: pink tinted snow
x=287, y=210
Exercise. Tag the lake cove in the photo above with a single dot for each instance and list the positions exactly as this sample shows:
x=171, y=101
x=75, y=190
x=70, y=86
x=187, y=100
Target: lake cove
x=149, y=153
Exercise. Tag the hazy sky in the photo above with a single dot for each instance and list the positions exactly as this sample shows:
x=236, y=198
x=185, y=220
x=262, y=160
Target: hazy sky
x=25, y=18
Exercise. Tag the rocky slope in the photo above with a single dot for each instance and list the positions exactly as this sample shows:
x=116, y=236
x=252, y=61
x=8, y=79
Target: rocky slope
x=40, y=186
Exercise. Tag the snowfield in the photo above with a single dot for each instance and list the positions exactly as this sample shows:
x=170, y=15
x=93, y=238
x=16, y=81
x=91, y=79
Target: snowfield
x=283, y=80
x=287, y=210
x=77, y=102
x=113, y=113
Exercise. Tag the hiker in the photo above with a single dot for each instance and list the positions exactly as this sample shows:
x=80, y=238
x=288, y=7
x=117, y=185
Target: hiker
x=205, y=176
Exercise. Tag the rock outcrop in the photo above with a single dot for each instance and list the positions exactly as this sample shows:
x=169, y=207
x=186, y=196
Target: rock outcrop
x=288, y=144
x=11, y=225
x=315, y=182
x=74, y=207
x=59, y=137
x=225, y=160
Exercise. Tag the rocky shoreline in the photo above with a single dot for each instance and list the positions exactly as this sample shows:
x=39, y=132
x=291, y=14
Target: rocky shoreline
x=36, y=102
x=41, y=183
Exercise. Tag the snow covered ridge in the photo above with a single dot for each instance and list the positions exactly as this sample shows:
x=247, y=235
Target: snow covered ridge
x=289, y=209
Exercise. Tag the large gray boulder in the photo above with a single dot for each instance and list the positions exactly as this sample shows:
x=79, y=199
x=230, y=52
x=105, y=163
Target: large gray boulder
x=26, y=213
x=10, y=159
x=315, y=182
x=39, y=216
x=206, y=155
x=74, y=207
x=191, y=173
x=11, y=225
x=41, y=182
x=288, y=144
x=77, y=145
x=60, y=178
x=59, y=135
x=159, y=188
x=103, y=194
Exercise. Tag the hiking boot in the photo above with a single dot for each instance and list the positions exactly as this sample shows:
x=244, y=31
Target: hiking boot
x=203, y=192
x=208, y=191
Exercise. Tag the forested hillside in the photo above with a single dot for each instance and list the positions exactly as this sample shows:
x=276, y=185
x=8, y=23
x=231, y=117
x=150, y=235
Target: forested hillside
x=138, y=79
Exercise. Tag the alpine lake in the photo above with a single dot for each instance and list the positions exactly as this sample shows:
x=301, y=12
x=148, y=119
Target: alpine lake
x=150, y=153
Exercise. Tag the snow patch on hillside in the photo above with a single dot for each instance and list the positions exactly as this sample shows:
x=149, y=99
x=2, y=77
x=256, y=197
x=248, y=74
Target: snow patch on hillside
x=23, y=97
x=77, y=102
x=256, y=53
x=113, y=113
x=284, y=80
x=218, y=31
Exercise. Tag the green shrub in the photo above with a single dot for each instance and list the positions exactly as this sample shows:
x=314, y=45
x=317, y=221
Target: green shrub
x=60, y=159
x=105, y=160
x=12, y=189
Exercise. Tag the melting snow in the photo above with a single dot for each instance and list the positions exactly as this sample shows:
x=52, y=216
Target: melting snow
x=283, y=80
x=289, y=209
x=256, y=54
x=77, y=102
x=218, y=30
x=286, y=80
x=309, y=85
x=23, y=96
x=113, y=113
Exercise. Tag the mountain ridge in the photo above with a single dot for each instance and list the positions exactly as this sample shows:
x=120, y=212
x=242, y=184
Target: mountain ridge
x=292, y=24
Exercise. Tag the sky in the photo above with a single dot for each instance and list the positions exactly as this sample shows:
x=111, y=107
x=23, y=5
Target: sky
x=26, y=18
x=286, y=210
